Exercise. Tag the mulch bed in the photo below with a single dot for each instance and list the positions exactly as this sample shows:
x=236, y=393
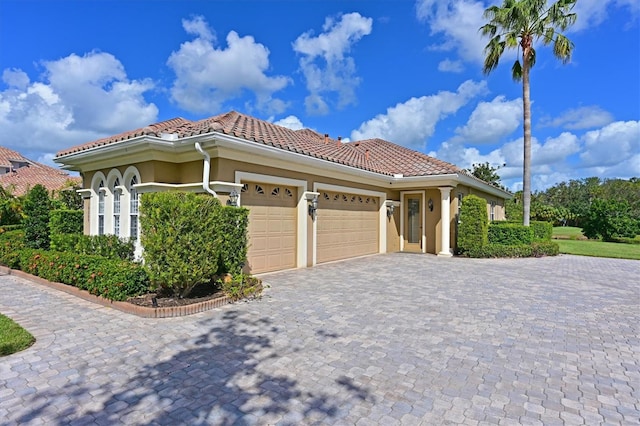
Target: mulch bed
x=200, y=293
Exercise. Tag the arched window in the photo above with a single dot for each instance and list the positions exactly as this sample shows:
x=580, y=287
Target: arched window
x=133, y=208
x=101, y=208
x=116, y=207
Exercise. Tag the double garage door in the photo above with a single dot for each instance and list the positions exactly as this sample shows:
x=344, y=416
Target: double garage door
x=347, y=226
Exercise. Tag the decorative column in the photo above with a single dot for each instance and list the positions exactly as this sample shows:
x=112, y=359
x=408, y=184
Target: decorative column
x=445, y=218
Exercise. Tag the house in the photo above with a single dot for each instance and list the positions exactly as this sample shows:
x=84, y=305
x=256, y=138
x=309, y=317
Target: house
x=312, y=199
x=19, y=174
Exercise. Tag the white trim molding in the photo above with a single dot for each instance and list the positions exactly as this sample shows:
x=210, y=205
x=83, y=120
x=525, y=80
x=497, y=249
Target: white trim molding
x=445, y=221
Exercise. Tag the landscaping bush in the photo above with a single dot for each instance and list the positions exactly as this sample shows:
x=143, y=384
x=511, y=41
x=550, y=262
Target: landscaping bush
x=11, y=243
x=111, y=279
x=233, y=244
x=474, y=223
x=181, y=239
x=542, y=231
x=37, y=206
x=64, y=222
x=510, y=234
x=109, y=246
x=545, y=248
x=501, y=250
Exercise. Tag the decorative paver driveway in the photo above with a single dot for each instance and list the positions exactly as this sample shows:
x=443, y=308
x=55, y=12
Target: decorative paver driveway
x=389, y=339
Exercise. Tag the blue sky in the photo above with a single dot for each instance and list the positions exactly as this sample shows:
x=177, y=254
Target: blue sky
x=406, y=71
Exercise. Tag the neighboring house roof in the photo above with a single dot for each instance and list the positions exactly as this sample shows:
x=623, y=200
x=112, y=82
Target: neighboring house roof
x=21, y=179
x=375, y=155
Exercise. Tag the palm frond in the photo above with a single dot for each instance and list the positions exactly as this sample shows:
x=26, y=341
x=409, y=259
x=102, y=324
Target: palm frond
x=562, y=48
x=516, y=70
x=493, y=51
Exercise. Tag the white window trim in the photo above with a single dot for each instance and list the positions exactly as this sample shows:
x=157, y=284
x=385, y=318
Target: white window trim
x=382, y=214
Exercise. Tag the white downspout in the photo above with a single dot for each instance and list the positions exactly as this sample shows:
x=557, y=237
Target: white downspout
x=206, y=170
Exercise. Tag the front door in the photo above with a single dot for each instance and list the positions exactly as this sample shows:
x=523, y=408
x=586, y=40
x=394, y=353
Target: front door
x=413, y=223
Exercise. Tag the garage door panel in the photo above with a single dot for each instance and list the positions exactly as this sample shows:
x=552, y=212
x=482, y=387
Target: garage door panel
x=347, y=226
x=272, y=226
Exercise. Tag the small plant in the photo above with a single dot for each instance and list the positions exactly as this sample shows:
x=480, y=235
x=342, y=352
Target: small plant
x=240, y=286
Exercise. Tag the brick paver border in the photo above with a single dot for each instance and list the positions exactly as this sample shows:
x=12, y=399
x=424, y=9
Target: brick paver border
x=129, y=308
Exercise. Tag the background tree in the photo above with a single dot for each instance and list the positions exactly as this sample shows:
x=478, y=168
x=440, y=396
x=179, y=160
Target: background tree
x=518, y=24
x=10, y=208
x=37, y=207
x=487, y=173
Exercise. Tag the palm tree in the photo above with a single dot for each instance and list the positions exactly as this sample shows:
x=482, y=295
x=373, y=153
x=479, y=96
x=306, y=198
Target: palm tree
x=518, y=24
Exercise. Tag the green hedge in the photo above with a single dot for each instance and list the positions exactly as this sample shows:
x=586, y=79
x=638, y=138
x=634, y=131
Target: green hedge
x=542, y=231
x=509, y=234
x=111, y=279
x=474, y=223
x=547, y=248
x=233, y=244
x=109, y=246
x=11, y=243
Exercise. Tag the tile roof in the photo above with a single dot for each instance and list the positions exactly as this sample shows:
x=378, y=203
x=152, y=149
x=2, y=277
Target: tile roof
x=20, y=180
x=375, y=155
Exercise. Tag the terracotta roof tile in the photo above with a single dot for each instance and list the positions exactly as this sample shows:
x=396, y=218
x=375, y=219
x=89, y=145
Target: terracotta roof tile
x=22, y=179
x=375, y=155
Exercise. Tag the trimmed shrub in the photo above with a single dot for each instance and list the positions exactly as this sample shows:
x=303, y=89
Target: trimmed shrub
x=501, y=250
x=240, y=286
x=181, y=239
x=37, y=206
x=510, y=234
x=109, y=246
x=11, y=243
x=111, y=279
x=64, y=222
x=545, y=248
x=233, y=244
x=474, y=223
x=542, y=231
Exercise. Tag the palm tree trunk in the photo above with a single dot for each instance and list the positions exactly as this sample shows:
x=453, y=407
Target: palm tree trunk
x=526, y=165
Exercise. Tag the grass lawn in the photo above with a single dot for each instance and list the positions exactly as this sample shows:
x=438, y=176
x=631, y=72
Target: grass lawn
x=13, y=338
x=567, y=239
x=599, y=249
x=567, y=232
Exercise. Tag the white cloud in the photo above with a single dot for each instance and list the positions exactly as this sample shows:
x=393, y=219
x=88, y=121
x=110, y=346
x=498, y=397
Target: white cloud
x=448, y=65
x=325, y=63
x=615, y=145
x=79, y=99
x=591, y=13
x=291, y=122
x=207, y=76
x=458, y=21
x=579, y=118
x=491, y=121
x=413, y=122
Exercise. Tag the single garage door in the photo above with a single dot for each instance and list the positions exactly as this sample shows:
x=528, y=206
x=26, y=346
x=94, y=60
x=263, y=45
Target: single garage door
x=272, y=226
x=347, y=226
